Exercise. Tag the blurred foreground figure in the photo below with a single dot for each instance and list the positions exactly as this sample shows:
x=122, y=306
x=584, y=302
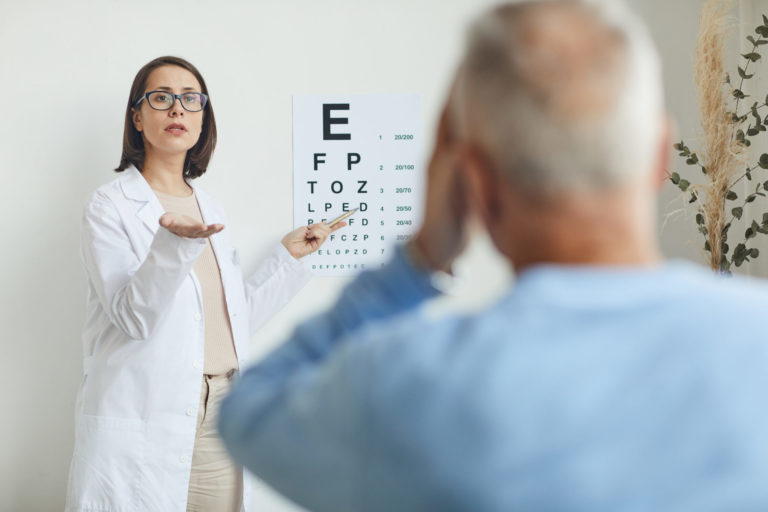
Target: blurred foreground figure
x=605, y=380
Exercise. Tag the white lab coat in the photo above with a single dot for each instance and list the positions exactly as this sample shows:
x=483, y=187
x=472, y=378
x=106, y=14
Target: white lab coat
x=143, y=343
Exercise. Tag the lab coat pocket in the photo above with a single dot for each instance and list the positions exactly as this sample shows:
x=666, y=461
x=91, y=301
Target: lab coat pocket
x=107, y=464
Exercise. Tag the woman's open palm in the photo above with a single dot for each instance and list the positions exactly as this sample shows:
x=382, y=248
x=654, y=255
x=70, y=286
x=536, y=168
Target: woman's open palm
x=187, y=227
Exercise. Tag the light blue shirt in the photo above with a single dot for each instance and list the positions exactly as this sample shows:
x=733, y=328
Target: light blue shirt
x=583, y=388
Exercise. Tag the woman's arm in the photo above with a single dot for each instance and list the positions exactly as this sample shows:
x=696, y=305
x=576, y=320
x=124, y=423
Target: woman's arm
x=281, y=276
x=274, y=283
x=134, y=294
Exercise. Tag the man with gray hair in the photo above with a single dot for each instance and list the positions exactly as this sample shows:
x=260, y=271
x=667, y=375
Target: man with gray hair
x=605, y=379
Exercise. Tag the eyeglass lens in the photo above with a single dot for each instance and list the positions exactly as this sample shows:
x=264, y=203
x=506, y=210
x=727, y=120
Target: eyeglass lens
x=192, y=101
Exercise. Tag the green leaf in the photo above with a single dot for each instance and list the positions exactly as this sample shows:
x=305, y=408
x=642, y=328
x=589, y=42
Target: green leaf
x=741, y=138
x=738, y=94
x=706, y=246
x=737, y=212
x=754, y=252
x=693, y=160
x=752, y=131
x=765, y=219
x=683, y=185
x=763, y=31
x=675, y=178
x=752, y=40
x=699, y=219
x=751, y=197
x=724, y=248
x=763, y=161
x=692, y=199
x=739, y=254
x=765, y=20
x=731, y=195
x=743, y=74
x=751, y=56
x=761, y=42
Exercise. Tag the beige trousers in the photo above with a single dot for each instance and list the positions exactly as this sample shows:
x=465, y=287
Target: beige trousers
x=216, y=482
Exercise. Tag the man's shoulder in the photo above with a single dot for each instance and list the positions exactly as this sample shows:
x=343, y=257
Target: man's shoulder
x=700, y=285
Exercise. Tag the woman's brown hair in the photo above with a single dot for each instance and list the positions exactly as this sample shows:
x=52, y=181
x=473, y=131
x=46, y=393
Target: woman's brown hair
x=198, y=155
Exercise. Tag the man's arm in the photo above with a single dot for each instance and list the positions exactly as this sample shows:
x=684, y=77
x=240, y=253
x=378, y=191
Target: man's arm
x=298, y=413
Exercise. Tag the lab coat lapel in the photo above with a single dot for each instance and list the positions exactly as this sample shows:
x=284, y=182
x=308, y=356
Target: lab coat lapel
x=211, y=215
x=135, y=187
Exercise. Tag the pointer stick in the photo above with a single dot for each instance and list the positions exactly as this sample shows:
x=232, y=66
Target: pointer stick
x=341, y=218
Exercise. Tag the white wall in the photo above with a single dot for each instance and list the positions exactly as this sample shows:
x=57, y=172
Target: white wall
x=66, y=71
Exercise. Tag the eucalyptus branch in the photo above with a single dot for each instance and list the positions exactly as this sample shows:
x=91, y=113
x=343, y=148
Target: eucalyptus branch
x=747, y=173
x=738, y=211
x=744, y=76
x=739, y=120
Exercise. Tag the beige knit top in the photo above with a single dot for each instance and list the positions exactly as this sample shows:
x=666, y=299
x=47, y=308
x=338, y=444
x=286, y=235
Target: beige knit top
x=220, y=356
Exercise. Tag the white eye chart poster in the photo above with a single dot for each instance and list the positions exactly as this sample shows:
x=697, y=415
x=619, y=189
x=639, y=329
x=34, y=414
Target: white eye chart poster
x=364, y=152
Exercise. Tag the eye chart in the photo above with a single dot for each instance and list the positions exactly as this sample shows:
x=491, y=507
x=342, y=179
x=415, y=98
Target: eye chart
x=357, y=151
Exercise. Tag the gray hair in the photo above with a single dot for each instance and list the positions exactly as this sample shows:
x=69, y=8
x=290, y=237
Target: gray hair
x=562, y=95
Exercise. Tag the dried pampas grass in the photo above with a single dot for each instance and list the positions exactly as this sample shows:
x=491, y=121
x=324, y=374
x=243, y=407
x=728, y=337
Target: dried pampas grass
x=722, y=153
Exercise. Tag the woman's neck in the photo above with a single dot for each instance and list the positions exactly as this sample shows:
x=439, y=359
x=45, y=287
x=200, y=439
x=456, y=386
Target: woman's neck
x=165, y=173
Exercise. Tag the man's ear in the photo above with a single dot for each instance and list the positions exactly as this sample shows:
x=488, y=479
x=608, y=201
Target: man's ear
x=136, y=118
x=483, y=184
x=661, y=172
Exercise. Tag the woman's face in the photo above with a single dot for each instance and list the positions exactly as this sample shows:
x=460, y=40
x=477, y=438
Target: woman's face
x=170, y=131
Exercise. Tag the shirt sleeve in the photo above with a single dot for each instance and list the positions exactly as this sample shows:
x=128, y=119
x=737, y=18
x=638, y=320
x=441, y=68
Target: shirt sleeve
x=135, y=294
x=272, y=285
x=300, y=412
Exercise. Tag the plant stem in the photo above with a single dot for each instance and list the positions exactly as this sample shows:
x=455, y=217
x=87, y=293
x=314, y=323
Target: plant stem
x=743, y=176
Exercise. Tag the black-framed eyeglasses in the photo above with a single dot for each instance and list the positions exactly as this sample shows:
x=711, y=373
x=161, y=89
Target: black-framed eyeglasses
x=164, y=100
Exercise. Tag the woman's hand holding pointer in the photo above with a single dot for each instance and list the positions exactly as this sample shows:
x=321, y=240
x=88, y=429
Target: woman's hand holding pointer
x=307, y=239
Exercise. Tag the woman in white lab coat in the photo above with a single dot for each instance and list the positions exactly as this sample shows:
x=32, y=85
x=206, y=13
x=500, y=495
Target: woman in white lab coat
x=169, y=313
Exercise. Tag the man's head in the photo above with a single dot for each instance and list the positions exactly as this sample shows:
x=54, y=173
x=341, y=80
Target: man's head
x=559, y=108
